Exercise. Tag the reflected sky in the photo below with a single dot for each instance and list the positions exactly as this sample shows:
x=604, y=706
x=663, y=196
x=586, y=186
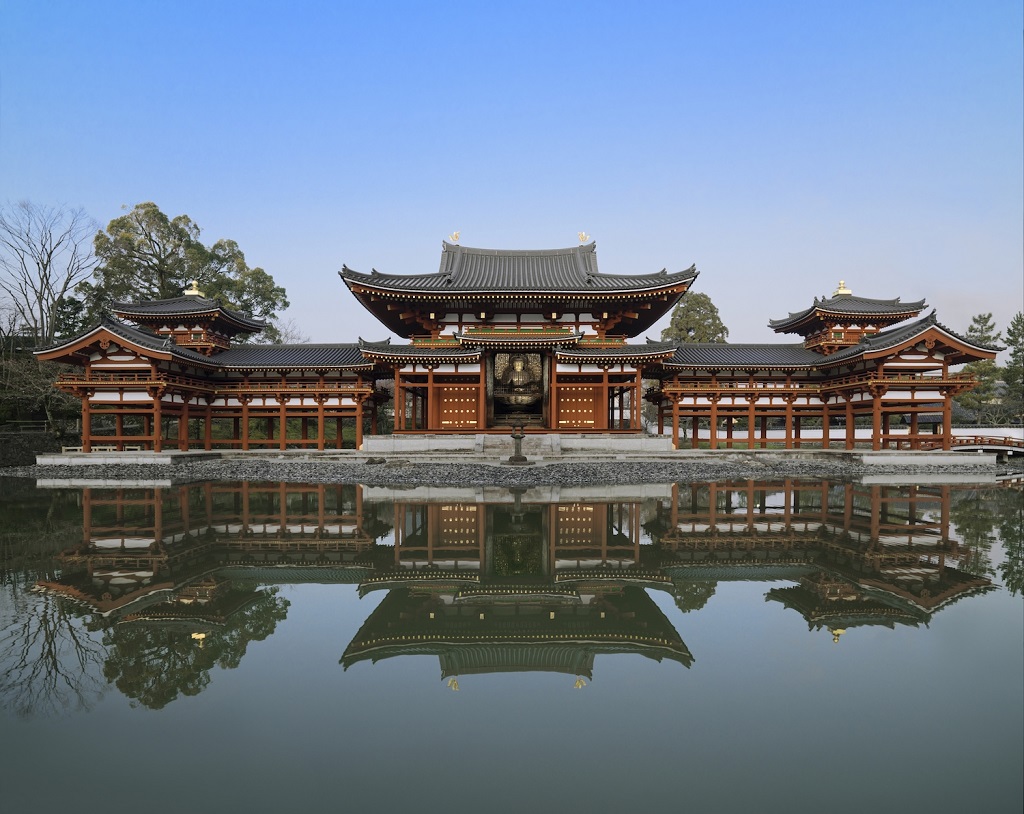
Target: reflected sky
x=278, y=646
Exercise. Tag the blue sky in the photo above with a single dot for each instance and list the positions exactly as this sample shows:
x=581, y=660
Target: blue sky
x=780, y=146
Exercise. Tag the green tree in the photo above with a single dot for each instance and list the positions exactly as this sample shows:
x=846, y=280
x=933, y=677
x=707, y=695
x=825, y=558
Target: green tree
x=1010, y=508
x=981, y=399
x=144, y=254
x=696, y=319
x=1013, y=373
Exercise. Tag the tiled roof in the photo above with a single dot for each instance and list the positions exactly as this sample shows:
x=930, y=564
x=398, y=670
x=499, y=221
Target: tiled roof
x=137, y=337
x=386, y=349
x=849, y=305
x=650, y=349
x=338, y=355
x=885, y=340
x=241, y=356
x=187, y=305
x=467, y=270
x=722, y=355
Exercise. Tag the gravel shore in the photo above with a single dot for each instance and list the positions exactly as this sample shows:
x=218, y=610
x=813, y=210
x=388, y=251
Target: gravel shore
x=398, y=473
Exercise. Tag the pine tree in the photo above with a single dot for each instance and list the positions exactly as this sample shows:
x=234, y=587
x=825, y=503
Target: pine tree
x=1013, y=373
x=980, y=399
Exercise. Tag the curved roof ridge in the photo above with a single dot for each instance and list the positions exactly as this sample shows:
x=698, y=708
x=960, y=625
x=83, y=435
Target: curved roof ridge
x=187, y=304
x=849, y=304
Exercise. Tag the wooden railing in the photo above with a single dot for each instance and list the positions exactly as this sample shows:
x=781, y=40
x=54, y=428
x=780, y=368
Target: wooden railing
x=977, y=441
x=145, y=379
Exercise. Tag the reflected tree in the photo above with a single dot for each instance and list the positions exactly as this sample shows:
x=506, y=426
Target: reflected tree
x=155, y=662
x=692, y=596
x=975, y=521
x=1011, y=532
x=50, y=662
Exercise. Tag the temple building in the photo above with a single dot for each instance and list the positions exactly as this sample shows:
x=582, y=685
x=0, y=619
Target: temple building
x=499, y=339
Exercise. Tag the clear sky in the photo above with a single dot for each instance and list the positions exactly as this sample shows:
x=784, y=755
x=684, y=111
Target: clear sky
x=780, y=146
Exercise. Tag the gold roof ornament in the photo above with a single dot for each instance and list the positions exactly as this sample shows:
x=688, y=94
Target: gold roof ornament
x=583, y=236
x=842, y=291
x=193, y=289
x=454, y=236
x=580, y=683
x=837, y=631
x=199, y=637
x=453, y=684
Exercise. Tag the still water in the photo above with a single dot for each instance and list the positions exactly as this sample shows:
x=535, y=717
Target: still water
x=779, y=646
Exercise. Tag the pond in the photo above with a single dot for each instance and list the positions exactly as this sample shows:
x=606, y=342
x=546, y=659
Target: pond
x=746, y=646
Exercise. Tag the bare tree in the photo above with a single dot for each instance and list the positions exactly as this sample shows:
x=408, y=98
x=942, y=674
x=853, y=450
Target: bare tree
x=44, y=252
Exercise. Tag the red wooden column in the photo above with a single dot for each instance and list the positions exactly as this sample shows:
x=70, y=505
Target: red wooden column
x=359, y=422
x=320, y=429
x=851, y=427
x=696, y=427
x=183, y=425
x=431, y=408
x=282, y=400
x=245, y=421
x=119, y=427
x=876, y=422
x=825, y=434
x=208, y=428
x=675, y=420
x=86, y=422
x=158, y=423
x=789, y=422
x=713, y=423
x=637, y=403
x=947, y=421
x=751, y=417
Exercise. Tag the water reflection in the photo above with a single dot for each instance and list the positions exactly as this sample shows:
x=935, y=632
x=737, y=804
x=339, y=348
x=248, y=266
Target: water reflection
x=163, y=585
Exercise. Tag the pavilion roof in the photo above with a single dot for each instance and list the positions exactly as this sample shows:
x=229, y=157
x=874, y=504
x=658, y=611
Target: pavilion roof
x=649, y=351
x=134, y=336
x=295, y=357
x=894, y=337
x=188, y=306
x=782, y=356
x=794, y=356
x=847, y=307
x=447, y=352
x=558, y=271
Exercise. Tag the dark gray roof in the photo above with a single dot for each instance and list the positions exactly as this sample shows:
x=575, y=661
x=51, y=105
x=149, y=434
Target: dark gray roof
x=723, y=355
x=467, y=270
x=187, y=305
x=885, y=340
x=622, y=351
x=340, y=355
x=417, y=351
x=247, y=357
x=849, y=305
x=138, y=337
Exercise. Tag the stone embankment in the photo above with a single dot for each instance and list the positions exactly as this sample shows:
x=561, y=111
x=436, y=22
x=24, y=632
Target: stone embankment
x=435, y=469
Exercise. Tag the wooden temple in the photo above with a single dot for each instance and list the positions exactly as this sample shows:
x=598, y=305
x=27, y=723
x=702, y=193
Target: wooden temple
x=497, y=339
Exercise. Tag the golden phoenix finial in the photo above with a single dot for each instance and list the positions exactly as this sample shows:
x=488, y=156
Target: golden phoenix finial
x=454, y=237
x=580, y=683
x=583, y=236
x=453, y=684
